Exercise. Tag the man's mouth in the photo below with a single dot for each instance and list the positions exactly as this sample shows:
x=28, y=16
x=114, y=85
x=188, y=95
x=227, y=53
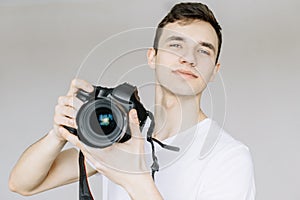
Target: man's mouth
x=185, y=73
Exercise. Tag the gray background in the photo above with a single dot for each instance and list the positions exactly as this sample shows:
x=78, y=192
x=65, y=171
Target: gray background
x=256, y=95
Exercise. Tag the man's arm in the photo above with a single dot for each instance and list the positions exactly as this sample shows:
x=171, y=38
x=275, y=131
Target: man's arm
x=44, y=165
x=39, y=164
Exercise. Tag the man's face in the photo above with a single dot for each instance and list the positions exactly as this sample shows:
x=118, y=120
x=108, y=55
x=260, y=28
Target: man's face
x=185, y=60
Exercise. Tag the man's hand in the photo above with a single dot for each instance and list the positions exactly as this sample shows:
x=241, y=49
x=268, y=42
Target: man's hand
x=122, y=163
x=68, y=106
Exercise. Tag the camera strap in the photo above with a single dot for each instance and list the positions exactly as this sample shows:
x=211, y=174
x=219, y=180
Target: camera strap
x=151, y=140
x=84, y=190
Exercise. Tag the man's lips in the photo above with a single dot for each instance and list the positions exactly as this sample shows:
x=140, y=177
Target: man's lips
x=185, y=73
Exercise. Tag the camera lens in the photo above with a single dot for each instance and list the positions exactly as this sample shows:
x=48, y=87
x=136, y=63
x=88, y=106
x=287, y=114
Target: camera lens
x=106, y=120
x=101, y=123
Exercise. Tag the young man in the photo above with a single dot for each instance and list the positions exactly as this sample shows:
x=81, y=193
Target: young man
x=210, y=163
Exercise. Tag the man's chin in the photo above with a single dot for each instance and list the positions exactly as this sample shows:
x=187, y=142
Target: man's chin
x=184, y=90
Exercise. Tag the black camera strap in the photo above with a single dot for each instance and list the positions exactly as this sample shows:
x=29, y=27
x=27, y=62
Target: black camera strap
x=151, y=140
x=84, y=190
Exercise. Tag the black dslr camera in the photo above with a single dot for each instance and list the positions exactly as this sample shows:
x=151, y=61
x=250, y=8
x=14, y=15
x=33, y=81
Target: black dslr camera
x=103, y=118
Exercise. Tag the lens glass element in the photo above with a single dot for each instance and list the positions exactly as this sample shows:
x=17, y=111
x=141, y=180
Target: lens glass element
x=105, y=120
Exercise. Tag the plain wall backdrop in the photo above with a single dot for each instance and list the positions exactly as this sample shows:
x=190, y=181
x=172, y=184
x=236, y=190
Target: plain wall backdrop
x=256, y=95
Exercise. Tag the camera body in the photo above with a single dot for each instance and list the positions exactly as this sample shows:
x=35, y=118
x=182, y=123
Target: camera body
x=103, y=118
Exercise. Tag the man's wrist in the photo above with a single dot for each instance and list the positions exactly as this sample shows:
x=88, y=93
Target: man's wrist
x=143, y=187
x=55, y=138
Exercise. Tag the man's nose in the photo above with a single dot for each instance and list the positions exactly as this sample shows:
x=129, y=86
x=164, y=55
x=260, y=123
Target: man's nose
x=188, y=59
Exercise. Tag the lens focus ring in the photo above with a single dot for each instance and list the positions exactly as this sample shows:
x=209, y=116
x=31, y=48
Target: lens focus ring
x=101, y=123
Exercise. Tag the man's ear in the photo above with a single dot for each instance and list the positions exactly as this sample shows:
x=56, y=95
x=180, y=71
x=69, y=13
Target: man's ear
x=151, y=53
x=216, y=69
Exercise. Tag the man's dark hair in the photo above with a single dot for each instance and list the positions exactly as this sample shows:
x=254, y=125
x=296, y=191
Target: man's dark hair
x=186, y=13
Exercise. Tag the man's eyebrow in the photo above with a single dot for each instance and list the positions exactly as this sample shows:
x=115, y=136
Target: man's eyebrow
x=174, y=37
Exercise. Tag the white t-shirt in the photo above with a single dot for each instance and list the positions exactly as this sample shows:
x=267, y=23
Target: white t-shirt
x=211, y=165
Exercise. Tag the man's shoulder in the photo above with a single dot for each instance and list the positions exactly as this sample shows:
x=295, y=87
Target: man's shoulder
x=219, y=142
x=228, y=165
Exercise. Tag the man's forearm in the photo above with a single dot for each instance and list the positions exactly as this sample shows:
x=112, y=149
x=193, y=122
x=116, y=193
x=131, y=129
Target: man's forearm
x=35, y=163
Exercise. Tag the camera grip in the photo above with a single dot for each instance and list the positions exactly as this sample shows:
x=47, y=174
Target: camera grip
x=85, y=96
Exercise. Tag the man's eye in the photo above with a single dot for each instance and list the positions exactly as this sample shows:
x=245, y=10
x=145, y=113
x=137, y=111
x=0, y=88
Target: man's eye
x=175, y=45
x=204, y=52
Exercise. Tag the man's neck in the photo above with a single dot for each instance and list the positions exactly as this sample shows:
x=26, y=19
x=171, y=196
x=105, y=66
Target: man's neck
x=175, y=113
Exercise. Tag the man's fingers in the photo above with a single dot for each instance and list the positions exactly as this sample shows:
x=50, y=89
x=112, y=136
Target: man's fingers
x=134, y=124
x=71, y=138
x=65, y=110
x=71, y=101
x=65, y=121
x=77, y=84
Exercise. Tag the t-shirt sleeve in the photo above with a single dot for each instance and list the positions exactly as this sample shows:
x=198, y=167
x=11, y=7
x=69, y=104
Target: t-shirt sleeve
x=229, y=176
